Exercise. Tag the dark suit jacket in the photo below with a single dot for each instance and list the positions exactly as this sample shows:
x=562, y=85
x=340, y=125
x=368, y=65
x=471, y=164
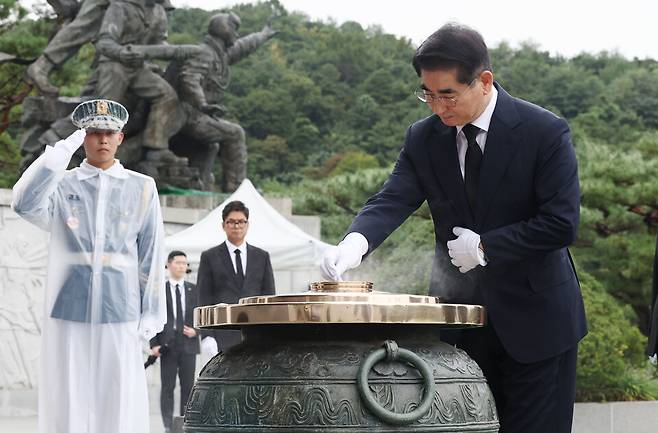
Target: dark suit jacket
x=217, y=282
x=652, y=348
x=527, y=215
x=167, y=336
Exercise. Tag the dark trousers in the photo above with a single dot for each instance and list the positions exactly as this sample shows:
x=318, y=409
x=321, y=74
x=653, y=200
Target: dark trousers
x=530, y=398
x=174, y=362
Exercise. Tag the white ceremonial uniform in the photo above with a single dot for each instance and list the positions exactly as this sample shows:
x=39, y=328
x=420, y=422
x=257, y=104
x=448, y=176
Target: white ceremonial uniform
x=103, y=291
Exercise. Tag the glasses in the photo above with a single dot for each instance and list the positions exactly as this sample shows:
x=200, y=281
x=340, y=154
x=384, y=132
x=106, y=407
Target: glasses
x=236, y=223
x=447, y=101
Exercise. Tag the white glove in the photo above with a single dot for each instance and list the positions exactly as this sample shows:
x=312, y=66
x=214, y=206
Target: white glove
x=465, y=250
x=209, y=347
x=653, y=359
x=57, y=157
x=73, y=141
x=346, y=255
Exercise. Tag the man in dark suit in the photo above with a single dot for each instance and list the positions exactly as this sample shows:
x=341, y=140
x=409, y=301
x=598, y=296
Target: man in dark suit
x=501, y=181
x=178, y=343
x=230, y=271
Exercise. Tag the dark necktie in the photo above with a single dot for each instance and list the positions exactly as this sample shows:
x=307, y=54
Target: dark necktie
x=179, y=311
x=238, y=266
x=472, y=164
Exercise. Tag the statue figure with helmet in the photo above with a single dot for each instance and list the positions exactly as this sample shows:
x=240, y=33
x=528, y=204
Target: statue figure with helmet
x=200, y=81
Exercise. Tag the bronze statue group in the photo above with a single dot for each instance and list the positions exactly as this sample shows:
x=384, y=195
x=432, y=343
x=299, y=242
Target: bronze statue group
x=178, y=118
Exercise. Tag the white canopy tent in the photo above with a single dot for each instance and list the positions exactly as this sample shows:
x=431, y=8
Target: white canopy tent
x=295, y=254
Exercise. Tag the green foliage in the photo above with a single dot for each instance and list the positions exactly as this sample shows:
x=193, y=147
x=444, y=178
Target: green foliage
x=189, y=24
x=337, y=198
x=611, y=364
x=271, y=155
x=619, y=196
x=352, y=162
x=570, y=90
x=351, y=97
x=10, y=11
x=637, y=91
x=73, y=75
x=9, y=160
x=24, y=39
x=608, y=122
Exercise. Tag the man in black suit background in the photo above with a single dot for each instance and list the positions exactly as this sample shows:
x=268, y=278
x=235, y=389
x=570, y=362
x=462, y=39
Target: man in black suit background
x=178, y=343
x=500, y=178
x=230, y=271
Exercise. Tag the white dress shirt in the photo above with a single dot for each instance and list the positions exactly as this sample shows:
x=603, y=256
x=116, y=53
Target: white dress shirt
x=481, y=122
x=243, y=255
x=172, y=290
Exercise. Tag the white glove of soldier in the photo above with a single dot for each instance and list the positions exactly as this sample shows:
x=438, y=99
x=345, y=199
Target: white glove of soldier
x=465, y=250
x=73, y=141
x=209, y=347
x=654, y=359
x=346, y=255
x=57, y=157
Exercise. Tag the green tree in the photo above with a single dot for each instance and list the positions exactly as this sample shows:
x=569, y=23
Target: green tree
x=637, y=91
x=271, y=155
x=10, y=12
x=354, y=162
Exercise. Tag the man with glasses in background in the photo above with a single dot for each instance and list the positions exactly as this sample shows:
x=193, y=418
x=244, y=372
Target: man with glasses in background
x=501, y=180
x=230, y=271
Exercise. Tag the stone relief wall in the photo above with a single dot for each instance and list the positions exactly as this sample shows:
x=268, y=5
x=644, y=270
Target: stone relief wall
x=23, y=260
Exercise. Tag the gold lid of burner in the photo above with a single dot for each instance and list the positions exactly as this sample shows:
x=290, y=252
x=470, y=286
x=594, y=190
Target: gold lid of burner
x=339, y=302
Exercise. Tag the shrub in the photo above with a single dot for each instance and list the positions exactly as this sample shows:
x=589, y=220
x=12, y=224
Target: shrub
x=611, y=361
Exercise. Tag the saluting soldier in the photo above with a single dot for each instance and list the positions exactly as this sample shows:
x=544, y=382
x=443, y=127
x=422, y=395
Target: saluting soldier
x=104, y=280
